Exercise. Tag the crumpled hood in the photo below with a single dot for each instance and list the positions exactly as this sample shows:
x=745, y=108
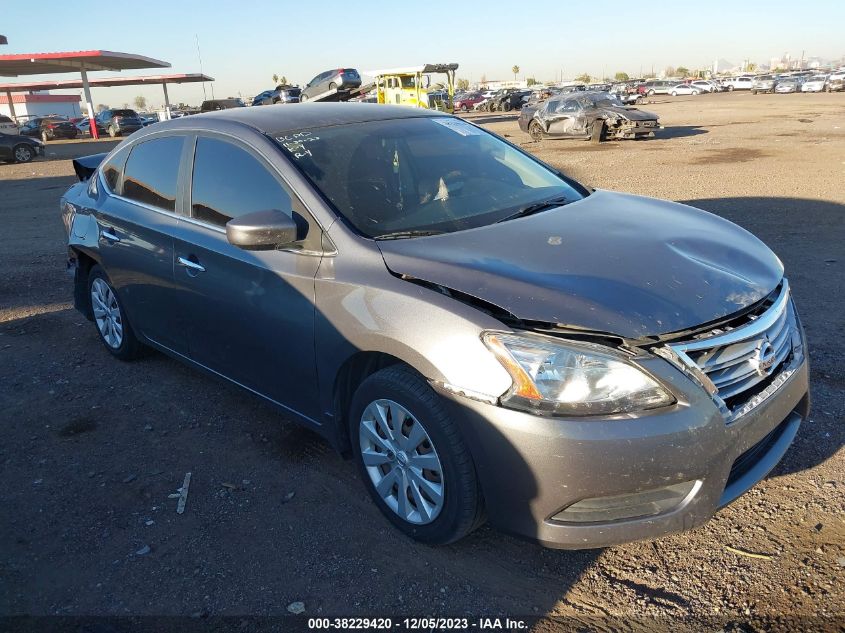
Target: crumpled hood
x=632, y=114
x=612, y=262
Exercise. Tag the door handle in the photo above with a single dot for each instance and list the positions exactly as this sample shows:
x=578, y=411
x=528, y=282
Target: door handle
x=108, y=234
x=190, y=265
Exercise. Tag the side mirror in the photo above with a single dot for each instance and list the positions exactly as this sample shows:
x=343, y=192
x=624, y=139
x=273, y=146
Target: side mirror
x=262, y=230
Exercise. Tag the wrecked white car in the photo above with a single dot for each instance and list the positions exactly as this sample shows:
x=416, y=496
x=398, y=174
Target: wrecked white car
x=597, y=116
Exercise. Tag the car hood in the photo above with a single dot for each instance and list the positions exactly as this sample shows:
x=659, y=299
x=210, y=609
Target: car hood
x=632, y=114
x=614, y=263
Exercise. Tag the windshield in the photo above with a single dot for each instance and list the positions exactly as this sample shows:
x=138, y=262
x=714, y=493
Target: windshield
x=438, y=174
x=124, y=113
x=605, y=99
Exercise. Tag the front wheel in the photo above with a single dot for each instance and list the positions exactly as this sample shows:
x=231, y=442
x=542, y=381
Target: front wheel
x=110, y=318
x=730, y=88
x=22, y=153
x=44, y=137
x=674, y=94
x=650, y=93
x=535, y=131
x=506, y=106
x=303, y=97
x=112, y=132
x=413, y=458
x=332, y=86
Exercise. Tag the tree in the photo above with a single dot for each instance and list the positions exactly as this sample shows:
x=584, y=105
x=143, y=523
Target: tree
x=584, y=78
x=515, y=71
x=682, y=71
x=483, y=80
x=620, y=76
x=531, y=81
x=279, y=81
x=669, y=71
x=140, y=102
x=463, y=84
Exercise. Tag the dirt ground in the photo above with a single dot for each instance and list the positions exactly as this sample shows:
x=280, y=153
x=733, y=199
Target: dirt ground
x=92, y=448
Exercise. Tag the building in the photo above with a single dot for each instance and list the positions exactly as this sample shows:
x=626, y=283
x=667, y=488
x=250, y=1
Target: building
x=28, y=105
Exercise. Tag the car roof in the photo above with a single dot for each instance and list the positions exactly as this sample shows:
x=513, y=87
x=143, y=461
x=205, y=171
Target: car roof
x=286, y=118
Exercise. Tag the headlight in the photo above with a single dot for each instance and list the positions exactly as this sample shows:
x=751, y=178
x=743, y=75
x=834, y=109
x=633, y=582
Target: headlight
x=572, y=378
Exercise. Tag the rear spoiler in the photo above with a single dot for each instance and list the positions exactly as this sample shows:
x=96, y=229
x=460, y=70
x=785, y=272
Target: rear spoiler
x=85, y=166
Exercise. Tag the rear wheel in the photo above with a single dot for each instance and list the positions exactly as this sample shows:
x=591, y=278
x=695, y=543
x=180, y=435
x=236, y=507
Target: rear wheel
x=597, y=132
x=464, y=107
x=650, y=93
x=674, y=93
x=303, y=97
x=110, y=318
x=754, y=92
x=506, y=106
x=413, y=458
x=23, y=153
x=535, y=130
x=730, y=88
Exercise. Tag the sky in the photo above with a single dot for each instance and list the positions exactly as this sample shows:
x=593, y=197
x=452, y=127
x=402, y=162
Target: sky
x=244, y=44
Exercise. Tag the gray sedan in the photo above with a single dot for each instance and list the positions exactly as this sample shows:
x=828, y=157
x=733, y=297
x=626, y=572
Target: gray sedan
x=488, y=338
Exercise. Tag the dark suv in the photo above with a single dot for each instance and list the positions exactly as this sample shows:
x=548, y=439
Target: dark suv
x=280, y=94
x=119, y=122
x=337, y=79
x=49, y=128
x=212, y=105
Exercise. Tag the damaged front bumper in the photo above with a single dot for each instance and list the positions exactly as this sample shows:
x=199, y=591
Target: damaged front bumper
x=593, y=482
x=633, y=129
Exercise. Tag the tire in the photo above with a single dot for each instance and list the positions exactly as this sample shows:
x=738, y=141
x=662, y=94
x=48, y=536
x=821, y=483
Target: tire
x=506, y=106
x=535, y=131
x=23, y=153
x=730, y=88
x=650, y=93
x=332, y=86
x=112, y=132
x=695, y=93
x=597, y=131
x=442, y=502
x=44, y=137
x=303, y=97
x=464, y=107
x=674, y=94
x=114, y=331
x=754, y=92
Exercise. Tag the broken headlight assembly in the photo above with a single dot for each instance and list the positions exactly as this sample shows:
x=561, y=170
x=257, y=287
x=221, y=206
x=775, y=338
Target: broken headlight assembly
x=572, y=378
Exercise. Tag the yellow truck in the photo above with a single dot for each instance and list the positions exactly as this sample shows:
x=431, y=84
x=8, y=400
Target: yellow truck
x=417, y=86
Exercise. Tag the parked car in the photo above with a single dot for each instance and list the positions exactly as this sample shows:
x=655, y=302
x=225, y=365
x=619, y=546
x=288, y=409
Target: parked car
x=212, y=105
x=703, y=85
x=658, y=87
x=815, y=83
x=597, y=116
x=468, y=101
x=788, y=85
x=280, y=94
x=337, y=79
x=745, y=82
x=835, y=82
x=17, y=148
x=684, y=89
x=346, y=262
x=118, y=122
x=148, y=118
x=7, y=125
x=49, y=128
x=763, y=83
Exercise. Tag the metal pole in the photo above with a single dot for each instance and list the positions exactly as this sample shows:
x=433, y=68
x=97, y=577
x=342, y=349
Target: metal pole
x=11, y=106
x=86, y=90
x=166, y=102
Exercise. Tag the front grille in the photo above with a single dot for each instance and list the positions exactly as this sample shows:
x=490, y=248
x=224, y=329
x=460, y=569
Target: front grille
x=740, y=364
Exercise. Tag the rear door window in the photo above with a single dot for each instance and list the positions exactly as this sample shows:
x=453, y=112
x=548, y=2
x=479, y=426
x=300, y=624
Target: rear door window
x=152, y=172
x=229, y=181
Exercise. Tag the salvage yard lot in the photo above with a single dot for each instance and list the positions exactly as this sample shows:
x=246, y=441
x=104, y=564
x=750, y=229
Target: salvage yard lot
x=92, y=448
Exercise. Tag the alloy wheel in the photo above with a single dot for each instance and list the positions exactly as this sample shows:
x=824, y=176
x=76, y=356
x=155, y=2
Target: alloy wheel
x=401, y=461
x=23, y=154
x=107, y=313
